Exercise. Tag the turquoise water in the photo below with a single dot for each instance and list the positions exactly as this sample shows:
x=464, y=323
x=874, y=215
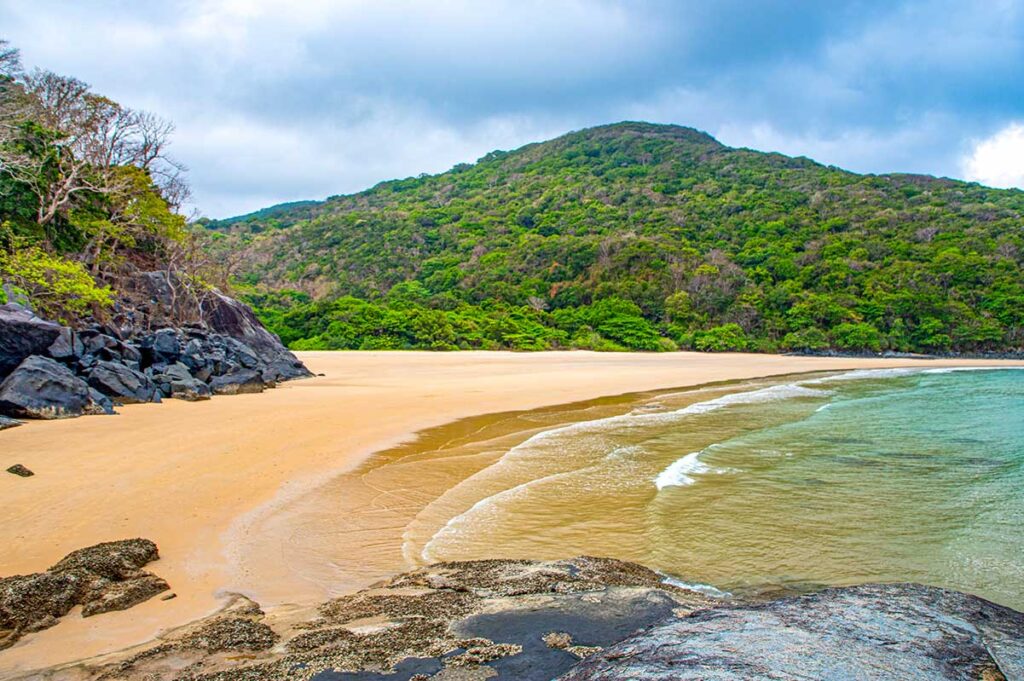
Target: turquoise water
x=866, y=476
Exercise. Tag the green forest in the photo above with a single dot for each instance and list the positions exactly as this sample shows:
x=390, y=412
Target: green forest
x=639, y=237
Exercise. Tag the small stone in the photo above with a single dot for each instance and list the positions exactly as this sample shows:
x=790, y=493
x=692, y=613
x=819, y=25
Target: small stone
x=167, y=597
x=19, y=470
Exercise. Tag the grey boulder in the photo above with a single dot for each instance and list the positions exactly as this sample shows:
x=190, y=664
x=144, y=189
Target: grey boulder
x=122, y=383
x=870, y=632
x=239, y=381
x=181, y=384
x=42, y=388
x=8, y=423
x=22, y=334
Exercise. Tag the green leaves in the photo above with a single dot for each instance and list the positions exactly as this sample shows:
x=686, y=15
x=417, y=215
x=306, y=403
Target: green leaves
x=696, y=237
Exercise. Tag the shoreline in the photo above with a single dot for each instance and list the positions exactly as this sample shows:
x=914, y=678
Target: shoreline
x=190, y=475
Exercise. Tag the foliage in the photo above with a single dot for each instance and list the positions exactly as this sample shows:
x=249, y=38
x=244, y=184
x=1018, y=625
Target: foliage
x=87, y=195
x=58, y=288
x=689, y=240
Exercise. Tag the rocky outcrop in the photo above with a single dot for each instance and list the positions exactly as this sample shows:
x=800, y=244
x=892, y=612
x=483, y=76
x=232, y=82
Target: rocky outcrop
x=591, y=618
x=6, y=422
x=70, y=372
x=22, y=334
x=100, y=578
x=471, y=620
x=42, y=388
x=874, y=631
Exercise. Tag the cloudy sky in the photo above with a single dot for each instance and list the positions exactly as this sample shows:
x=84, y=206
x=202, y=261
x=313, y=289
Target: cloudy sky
x=277, y=100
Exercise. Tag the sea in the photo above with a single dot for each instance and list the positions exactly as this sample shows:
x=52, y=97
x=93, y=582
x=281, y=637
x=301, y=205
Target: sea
x=761, y=488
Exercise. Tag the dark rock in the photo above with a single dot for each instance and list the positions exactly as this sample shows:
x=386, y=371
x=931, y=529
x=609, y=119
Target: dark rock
x=100, y=578
x=42, y=388
x=123, y=384
x=239, y=381
x=67, y=347
x=874, y=631
x=18, y=469
x=102, y=403
x=8, y=422
x=236, y=320
x=164, y=345
x=22, y=334
x=100, y=344
x=181, y=384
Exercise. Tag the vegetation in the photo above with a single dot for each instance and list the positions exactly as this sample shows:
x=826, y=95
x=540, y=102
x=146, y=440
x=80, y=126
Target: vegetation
x=645, y=237
x=87, y=194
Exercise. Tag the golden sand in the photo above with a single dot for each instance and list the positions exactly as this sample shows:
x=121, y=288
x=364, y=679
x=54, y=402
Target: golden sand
x=218, y=485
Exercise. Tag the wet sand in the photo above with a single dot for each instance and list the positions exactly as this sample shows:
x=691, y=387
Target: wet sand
x=217, y=484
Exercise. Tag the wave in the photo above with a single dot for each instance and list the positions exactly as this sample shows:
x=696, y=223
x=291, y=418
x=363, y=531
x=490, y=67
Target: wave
x=681, y=472
x=705, y=589
x=950, y=370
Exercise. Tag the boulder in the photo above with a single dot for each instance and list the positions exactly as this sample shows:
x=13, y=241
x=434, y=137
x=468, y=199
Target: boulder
x=42, y=388
x=100, y=578
x=874, y=631
x=67, y=347
x=22, y=334
x=8, y=423
x=122, y=383
x=236, y=382
x=181, y=384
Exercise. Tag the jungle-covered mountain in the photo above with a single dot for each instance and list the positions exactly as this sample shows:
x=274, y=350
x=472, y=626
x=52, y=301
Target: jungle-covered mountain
x=646, y=237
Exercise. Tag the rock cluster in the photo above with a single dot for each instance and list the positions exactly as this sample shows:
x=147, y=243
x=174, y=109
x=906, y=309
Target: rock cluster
x=589, y=619
x=451, y=621
x=873, y=631
x=52, y=371
x=100, y=578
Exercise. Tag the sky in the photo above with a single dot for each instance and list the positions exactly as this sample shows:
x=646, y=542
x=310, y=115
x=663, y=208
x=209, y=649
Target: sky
x=280, y=100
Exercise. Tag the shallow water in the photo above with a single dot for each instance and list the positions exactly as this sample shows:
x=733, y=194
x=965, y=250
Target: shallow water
x=892, y=475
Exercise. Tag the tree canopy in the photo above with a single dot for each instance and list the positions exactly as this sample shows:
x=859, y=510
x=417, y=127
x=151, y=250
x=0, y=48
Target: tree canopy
x=646, y=237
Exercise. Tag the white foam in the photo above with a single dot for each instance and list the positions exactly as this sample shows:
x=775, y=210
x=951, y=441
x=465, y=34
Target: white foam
x=681, y=472
x=858, y=374
x=950, y=370
x=706, y=589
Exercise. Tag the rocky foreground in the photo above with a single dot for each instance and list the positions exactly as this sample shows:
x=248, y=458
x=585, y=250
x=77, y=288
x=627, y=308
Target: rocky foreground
x=53, y=371
x=576, y=620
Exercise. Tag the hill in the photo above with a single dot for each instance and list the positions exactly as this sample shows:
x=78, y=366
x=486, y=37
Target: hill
x=640, y=236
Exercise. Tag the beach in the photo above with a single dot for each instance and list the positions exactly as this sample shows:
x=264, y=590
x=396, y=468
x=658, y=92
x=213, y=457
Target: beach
x=199, y=478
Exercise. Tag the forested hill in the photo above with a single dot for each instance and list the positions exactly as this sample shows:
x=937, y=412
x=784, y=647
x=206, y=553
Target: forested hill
x=641, y=236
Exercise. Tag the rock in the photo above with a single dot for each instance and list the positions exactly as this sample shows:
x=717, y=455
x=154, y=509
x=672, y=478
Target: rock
x=121, y=595
x=239, y=381
x=161, y=347
x=123, y=384
x=232, y=633
x=874, y=631
x=100, y=578
x=456, y=621
x=8, y=423
x=236, y=320
x=18, y=469
x=22, y=334
x=67, y=347
x=41, y=388
x=103, y=403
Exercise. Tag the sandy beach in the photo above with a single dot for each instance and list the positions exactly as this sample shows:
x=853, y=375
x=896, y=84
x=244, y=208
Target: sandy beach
x=194, y=477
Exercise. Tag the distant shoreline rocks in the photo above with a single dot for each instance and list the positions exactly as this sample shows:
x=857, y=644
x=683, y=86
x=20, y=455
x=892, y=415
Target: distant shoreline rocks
x=50, y=371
